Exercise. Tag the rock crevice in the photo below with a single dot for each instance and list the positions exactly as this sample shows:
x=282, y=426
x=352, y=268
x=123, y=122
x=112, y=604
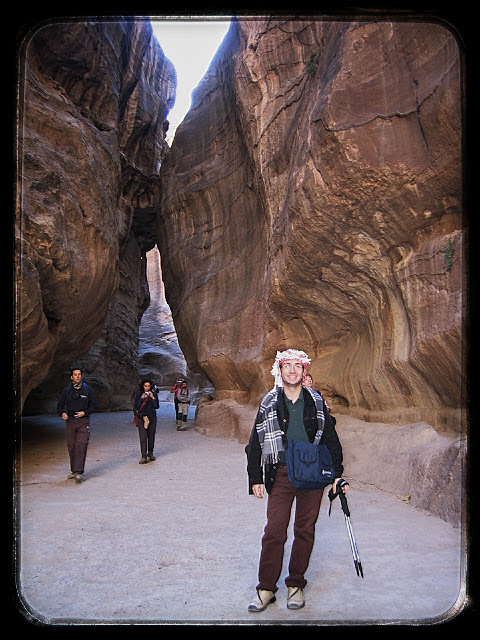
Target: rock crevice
x=94, y=101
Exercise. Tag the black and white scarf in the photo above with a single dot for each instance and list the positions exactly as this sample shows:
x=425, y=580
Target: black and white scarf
x=269, y=430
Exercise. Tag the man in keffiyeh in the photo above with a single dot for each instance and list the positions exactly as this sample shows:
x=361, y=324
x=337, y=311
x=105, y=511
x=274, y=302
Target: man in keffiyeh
x=290, y=411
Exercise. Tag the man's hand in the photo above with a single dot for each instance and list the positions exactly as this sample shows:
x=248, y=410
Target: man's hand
x=258, y=490
x=79, y=414
x=334, y=486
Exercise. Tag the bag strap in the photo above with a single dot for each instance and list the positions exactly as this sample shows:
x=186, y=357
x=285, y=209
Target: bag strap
x=319, y=406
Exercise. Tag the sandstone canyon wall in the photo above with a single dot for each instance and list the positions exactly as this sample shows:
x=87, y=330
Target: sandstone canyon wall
x=312, y=198
x=159, y=355
x=94, y=97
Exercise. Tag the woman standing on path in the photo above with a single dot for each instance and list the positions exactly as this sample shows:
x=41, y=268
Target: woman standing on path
x=146, y=404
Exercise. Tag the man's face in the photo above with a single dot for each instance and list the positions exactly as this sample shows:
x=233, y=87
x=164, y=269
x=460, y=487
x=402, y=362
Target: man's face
x=292, y=372
x=76, y=375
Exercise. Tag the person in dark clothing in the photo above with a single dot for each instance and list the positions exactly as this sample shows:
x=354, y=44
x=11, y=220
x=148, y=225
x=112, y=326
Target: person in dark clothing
x=146, y=404
x=289, y=411
x=76, y=403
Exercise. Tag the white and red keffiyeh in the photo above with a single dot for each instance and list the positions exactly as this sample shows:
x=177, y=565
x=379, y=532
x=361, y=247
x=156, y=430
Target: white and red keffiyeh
x=289, y=354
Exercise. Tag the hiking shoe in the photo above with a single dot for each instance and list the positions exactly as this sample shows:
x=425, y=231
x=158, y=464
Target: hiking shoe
x=295, y=599
x=78, y=477
x=143, y=461
x=262, y=600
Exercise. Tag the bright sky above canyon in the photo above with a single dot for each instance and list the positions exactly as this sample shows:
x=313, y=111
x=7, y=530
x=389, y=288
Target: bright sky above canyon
x=190, y=45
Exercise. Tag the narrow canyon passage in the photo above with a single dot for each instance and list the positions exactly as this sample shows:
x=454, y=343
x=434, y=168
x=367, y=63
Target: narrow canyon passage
x=313, y=198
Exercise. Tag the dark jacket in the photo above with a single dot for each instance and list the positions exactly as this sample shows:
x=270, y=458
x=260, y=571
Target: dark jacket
x=149, y=408
x=72, y=400
x=310, y=422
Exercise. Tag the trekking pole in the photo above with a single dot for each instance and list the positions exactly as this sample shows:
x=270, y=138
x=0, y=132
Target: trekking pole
x=346, y=512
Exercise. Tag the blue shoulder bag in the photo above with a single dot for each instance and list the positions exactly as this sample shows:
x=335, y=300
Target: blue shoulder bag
x=309, y=465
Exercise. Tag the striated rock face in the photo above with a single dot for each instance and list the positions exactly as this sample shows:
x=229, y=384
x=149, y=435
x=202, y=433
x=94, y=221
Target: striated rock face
x=94, y=97
x=313, y=198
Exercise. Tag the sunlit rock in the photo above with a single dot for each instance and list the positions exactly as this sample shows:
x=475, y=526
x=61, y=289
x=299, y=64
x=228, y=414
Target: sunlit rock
x=313, y=198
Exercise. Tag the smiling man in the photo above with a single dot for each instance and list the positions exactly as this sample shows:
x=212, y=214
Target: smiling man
x=290, y=411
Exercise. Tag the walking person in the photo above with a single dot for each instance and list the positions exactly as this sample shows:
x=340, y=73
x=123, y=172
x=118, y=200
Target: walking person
x=290, y=411
x=145, y=407
x=182, y=396
x=177, y=385
x=77, y=401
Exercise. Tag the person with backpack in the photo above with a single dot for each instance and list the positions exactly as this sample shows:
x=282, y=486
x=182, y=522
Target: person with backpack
x=75, y=405
x=290, y=412
x=145, y=408
x=182, y=397
x=173, y=390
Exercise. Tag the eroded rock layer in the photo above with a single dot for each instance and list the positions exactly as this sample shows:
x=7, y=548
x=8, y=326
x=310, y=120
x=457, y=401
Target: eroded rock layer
x=313, y=198
x=94, y=98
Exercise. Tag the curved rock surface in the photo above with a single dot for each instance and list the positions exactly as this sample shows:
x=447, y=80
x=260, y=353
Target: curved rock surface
x=312, y=198
x=94, y=98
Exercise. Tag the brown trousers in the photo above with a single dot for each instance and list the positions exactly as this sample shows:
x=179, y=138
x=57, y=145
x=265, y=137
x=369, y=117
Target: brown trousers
x=78, y=435
x=279, y=508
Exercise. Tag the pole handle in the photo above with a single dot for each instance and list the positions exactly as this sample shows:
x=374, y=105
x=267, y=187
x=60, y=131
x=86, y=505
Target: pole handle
x=343, y=498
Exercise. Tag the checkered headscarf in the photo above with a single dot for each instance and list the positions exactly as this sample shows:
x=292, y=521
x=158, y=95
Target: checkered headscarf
x=289, y=354
x=269, y=430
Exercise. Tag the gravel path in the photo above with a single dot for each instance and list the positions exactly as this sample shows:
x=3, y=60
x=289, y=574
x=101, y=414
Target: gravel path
x=176, y=541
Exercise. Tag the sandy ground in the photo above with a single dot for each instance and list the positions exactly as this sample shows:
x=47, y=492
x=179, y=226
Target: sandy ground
x=176, y=541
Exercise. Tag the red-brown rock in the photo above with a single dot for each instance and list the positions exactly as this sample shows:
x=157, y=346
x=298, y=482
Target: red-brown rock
x=313, y=198
x=94, y=97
